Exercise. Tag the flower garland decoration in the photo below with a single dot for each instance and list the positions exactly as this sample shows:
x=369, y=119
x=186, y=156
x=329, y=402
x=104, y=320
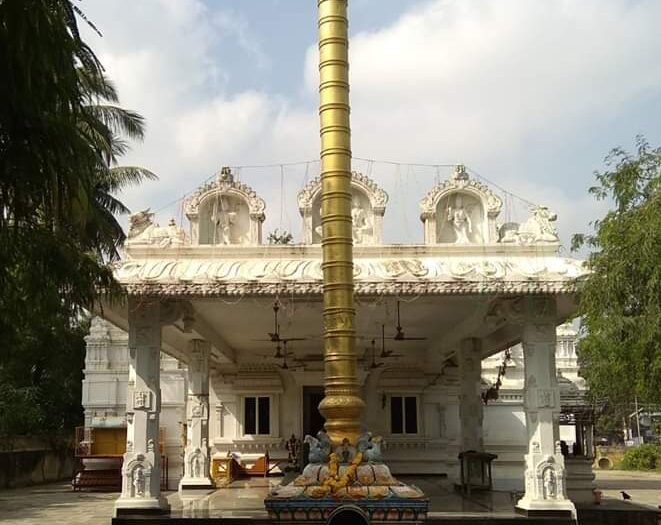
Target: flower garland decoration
x=334, y=481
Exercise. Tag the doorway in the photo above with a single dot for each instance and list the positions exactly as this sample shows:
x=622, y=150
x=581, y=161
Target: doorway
x=313, y=421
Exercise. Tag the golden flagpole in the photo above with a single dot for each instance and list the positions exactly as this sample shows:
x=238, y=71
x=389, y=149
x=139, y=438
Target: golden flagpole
x=342, y=406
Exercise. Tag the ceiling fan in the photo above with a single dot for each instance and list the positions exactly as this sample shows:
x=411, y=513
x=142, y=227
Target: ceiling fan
x=400, y=336
x=284, y=355
x=385, y=353
x=279, y=347
x=274, y=337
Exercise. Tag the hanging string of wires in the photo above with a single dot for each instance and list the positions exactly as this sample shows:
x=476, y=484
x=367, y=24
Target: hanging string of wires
x=370, y=164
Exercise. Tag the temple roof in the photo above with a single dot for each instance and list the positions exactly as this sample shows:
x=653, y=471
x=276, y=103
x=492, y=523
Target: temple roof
x=465, y=251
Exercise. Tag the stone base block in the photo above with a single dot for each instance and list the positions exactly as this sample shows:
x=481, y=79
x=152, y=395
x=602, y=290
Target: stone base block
x=546, y=508
x=188, y=484
x=141, y=506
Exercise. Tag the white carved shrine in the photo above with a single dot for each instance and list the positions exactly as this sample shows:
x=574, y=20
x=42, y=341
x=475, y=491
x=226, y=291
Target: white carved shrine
x=367, y=209
x=225, y=212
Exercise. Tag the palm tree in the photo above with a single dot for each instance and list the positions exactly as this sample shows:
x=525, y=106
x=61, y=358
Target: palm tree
x=61, y=135
x=104, y=124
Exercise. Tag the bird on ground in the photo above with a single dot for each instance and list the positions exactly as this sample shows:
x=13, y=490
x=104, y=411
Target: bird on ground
x=625, y=496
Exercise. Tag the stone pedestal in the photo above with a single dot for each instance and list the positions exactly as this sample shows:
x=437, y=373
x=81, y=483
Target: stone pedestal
x=196, y=454
x=141, y=470
x=374, y=493
x=545, y=489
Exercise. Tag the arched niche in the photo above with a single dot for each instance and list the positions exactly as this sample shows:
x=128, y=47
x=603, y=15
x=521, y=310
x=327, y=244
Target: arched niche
x=225, y=212
x=368, y=205
x=460, y=211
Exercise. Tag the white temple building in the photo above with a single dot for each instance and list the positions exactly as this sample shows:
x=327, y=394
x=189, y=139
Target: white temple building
x=200, y=307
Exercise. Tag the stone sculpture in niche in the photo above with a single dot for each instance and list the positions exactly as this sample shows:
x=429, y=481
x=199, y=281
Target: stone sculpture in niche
x=225, y=212
x=460, y=211
x=460, y=220
x=368, y=205
x=197, y=469
x=223, y=217
x=361, y=222
x=138, y=482
x=550, y=483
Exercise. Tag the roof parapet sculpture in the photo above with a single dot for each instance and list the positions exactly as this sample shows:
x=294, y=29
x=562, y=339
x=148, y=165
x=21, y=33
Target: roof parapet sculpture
x=463, y=211
x=460, y=210
x=225, y=211
x=368, y=208
x=143, y=231
x=538, y=228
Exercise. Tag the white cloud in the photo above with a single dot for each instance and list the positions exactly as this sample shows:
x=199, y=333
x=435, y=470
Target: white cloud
x=471, y=81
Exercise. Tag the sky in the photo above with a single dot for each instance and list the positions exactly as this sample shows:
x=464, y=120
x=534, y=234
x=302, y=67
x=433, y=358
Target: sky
x=529, y=94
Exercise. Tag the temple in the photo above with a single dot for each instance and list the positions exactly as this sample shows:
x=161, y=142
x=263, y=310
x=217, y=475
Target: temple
x=220, y=338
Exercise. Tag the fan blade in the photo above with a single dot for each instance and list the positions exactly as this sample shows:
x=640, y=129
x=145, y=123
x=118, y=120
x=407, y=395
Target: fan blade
x=409, y=338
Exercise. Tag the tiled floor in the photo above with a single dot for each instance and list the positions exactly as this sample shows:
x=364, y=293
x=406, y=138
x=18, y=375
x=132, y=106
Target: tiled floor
x=56, y=503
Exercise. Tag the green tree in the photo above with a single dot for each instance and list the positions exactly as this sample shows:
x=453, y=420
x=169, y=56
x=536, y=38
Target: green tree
x=620, y=302
x=61, y=134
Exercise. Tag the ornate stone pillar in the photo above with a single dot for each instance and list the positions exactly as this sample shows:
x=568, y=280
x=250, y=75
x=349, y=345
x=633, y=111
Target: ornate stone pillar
x=141, y=470
x=470, y=401
x=196, y=453
x=545, y=477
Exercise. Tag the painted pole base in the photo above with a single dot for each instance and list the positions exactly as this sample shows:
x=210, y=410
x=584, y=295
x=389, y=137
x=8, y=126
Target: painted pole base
x=141, y=506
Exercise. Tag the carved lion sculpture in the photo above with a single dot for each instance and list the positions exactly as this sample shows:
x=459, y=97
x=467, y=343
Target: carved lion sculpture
x=143, y=230
x=539, y=227
x=370, y=446
x=320, y=447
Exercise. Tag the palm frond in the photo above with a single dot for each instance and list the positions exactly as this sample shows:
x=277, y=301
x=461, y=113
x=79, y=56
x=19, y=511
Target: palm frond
x=120, y=120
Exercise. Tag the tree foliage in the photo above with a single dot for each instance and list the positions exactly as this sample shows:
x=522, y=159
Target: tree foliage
x=642, y=457
x=620, y=302
x=280, y=237
x=61, y=134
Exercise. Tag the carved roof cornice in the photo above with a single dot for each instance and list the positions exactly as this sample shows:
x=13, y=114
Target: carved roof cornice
x=460, y=181
x=394, y=274
x=225, y=184
x=377, y=196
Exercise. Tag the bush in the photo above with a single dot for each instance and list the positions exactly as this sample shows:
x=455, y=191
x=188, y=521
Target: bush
x=643, y=457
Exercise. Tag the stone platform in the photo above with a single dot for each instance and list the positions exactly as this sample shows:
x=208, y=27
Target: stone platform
x=242, y=503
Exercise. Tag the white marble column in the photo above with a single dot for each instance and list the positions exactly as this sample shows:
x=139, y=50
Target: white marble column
x=141, y=470
x=196, y=454
x=545, y=475
x=470, y=401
